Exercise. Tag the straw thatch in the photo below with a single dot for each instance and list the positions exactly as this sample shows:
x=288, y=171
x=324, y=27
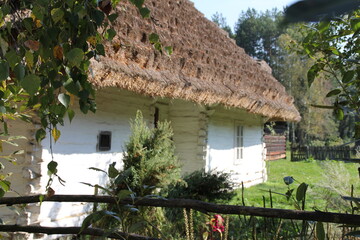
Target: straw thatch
x=206, y=66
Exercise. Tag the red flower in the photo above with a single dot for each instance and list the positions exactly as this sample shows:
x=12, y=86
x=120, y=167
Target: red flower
x=217, y=223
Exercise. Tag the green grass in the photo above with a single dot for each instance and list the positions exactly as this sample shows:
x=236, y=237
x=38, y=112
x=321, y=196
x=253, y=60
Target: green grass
x=326, y=179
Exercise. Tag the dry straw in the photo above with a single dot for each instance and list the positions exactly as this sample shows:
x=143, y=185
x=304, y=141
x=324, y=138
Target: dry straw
x=206, y=66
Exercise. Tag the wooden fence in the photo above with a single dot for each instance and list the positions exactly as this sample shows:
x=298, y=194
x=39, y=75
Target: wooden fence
x=204, y=207
x=321, y=153
x=275, y=147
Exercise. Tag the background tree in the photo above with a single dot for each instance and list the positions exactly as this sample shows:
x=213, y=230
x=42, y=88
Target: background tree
x=263, y=37
x=220, y=20
x=257, y=33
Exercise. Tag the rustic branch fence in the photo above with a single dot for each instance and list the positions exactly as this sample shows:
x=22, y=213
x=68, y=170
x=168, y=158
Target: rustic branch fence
x=171, y=203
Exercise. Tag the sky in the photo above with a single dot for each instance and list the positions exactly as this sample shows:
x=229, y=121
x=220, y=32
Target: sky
x=231, y=9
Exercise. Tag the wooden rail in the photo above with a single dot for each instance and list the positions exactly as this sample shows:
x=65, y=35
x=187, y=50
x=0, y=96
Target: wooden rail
x=197, y=205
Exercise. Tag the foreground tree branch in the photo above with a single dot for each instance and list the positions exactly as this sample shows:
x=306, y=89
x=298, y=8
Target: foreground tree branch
x=72, y=230
x=196, y=205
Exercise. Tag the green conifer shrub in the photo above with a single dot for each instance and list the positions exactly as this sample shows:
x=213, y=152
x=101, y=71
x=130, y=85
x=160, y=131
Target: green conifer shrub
x=149, y=158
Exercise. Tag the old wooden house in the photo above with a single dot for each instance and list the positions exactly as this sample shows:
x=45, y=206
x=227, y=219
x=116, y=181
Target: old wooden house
x=216, y=97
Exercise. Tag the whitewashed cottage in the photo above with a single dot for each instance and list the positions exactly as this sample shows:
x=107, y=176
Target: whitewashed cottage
x=216, y=97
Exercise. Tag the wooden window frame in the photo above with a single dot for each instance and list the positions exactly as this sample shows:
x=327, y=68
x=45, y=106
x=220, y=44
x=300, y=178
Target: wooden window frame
x=238, y=143
x=103, y=144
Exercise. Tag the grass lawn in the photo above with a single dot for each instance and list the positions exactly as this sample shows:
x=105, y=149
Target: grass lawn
x=327, y=180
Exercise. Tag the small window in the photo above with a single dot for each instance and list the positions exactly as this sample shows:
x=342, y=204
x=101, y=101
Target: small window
x=239, y=143
x=104, y=141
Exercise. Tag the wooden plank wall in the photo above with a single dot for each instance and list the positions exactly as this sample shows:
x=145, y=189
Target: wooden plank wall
x=275, y=147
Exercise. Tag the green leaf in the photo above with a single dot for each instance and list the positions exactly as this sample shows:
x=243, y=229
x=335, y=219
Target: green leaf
x=64, y=99
x=323, y=26
x=97, y=169
x=5, y=185
x=40, y=134
x=95, y=217
x=98, y=17
x=112, y=171
x=71, y=114
x=124, y=194
x=52, y=167
x=100, y=49
x=138, y=3
x=72, y=87
x=31, y=84
x=335, y=51
x=12, y=58
x=339, y=114
x=4, y=70
x=313, y=72
x=348, y=76
x=333, y=93
x=75, y=56
x=29, y=58
x=112, y=17
x=355, y=24
x=154, y=38
x=110, y=34
x=19, y=71
x=144, y=12
x=57, y=14
x=2, y=192
x=41, y=198
x=168, y=50
x=301, y=191
x=320, y=231
x=28, y=23
x=38, y=11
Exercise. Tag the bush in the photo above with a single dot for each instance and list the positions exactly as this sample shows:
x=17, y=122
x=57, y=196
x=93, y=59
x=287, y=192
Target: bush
x=199, y=185
x=149, y=158
x=149, y=165
x=204, y=186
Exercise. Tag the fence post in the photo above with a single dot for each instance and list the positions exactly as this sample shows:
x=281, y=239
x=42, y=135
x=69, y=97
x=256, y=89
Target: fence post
x=307, y=152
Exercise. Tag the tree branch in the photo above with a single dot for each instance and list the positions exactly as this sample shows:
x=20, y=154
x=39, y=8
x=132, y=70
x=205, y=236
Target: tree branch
x=72, y=230
x=197, y=205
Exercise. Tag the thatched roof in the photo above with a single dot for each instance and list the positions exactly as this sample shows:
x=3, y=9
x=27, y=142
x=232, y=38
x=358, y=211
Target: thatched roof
x=206, y=66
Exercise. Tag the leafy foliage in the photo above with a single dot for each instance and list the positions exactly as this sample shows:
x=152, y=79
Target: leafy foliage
x=45, y=52
x=335, y=46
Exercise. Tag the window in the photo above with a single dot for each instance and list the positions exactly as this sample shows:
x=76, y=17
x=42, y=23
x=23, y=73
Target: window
x=104, y=141
x=239, y=143
x=156, y=117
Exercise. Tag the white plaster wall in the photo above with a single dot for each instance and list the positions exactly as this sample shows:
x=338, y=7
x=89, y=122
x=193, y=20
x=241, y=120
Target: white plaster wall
x=76, y=151
x=221, y=154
